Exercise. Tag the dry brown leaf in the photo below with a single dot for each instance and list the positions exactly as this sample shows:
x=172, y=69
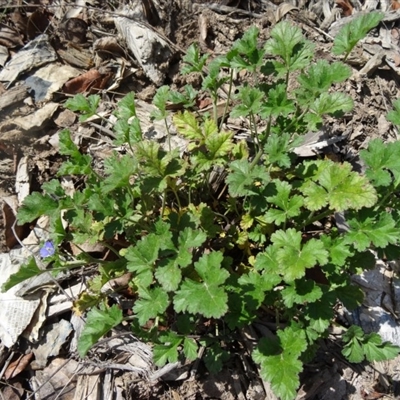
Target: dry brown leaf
x=346, y=6
x=395, y=5
x=204, y=103
x=203, y=27
x=9, y=219
x=150, y=12
x=91, y=81
x=19, y=21
x=396, y=59
x=284, y=9
x=38, y=22
x=14, y=392
x=75, y=30
x=17, y=366
x=108, y=45
x=10, y=37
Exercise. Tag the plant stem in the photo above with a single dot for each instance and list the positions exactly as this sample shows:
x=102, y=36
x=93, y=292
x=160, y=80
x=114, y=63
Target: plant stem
x=177, y=197
x=256, y=158
x=215, y=108
x=311, y=219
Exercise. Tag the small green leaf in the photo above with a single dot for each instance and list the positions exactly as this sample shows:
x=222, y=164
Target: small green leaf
x=207, y=297
x=151, y=303
x=187, y=99
x=98, y=323
x=190, y=348
x=160, y=101
x=188, y=239
x=188, y=126
x=294, y=257
x=246, y=54
x=128, y=131
x=126, y=107
x=359, y=346
x=351, y=33
x=244, y=179
x=376, y=350
x=195, y=62
x=300, y=292
x=338, y=248
x=53, y=188
x=277, y=103
x=168, y=351
x=250, y=101
x=282, y=370
x=34, y=206
x=277, y=149
x=368, y=228
x=319, y=77
x=267, y=261
x=337, y=186
x=289, y=205
x=142, y=257
x=79, y=164
x=169, y=276
x=119, y=171
x=383, y=162
x=330, y=103
x=394, y=115
x=26, y=271
x=87, y=106
x=353, y=351
x=288, y=42
x=219, y=144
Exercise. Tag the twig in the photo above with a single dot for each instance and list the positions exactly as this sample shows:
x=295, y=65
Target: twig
x=229, y=10
x=6, y=364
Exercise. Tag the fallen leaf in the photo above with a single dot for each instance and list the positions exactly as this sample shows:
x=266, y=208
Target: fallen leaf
x=204, y=103
x=10, y=37
x=37, y=24
x=395, y=5
x=346, y=7
x=90, y=81
x=17, y=366
x=14, y=392
x=75, y=30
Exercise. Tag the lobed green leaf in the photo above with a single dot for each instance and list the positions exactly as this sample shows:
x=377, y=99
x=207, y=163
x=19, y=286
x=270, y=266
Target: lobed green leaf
x=98, y=323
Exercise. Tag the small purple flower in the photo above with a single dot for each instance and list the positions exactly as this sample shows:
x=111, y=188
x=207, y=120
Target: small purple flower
x=47, y=250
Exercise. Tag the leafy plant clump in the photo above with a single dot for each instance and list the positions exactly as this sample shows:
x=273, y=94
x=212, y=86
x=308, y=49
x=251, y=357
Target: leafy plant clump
x=231, y=231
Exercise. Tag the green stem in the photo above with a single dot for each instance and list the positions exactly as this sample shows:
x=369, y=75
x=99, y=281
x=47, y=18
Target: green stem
x=215, y=108
x=294, y=120
x=177, y=198
x=109, y=247
x=287, y=79
x=311, y=219
x=256, y=159
x=385, y=197
x=268, y=131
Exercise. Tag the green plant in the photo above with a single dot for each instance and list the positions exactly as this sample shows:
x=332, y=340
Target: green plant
x=207, y=259
x=350, y=34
